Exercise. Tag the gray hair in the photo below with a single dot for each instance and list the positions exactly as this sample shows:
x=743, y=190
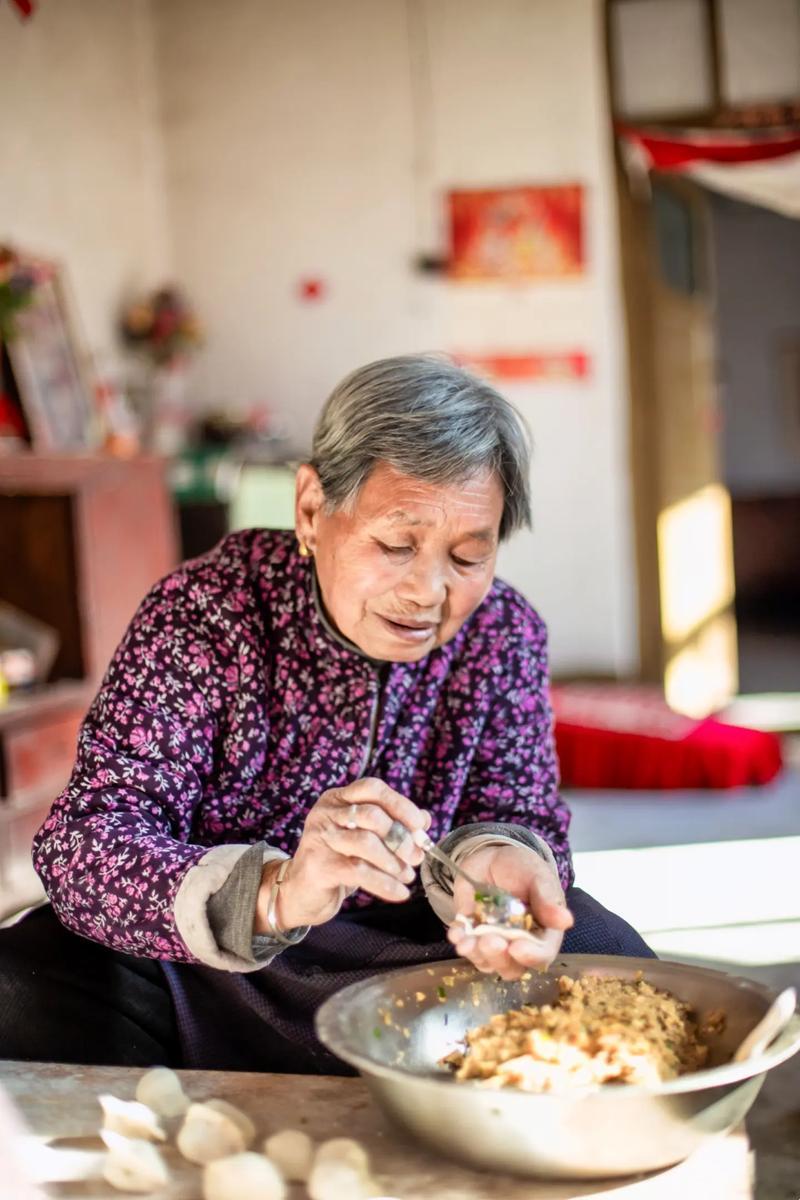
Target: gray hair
x=429, y=419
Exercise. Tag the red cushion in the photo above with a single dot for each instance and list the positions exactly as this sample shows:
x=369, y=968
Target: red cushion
x=628, y=738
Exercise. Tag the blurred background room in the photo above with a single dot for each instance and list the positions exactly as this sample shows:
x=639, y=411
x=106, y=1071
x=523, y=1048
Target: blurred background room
x=211, y=212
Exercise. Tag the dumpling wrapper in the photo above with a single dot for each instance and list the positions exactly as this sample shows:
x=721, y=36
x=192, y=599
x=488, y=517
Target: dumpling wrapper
x=509, y=932
x=292, y=1151
x=133, y=1164
x=239, y=1118
x=245, y=1176
x=161, y=1089
x=131, y=1118
x=207, y=1134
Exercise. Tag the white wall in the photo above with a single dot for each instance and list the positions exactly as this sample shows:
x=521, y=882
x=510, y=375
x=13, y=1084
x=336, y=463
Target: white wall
x=760, y=50
x=296, y=145
x=757, y=256
x=80, y=151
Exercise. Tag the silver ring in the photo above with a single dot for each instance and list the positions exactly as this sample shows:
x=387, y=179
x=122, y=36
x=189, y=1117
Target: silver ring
x=352, y=823
x=396, y=836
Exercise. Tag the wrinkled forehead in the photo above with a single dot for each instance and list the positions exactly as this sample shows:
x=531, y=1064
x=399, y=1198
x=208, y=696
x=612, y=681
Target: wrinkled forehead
x=397, y=500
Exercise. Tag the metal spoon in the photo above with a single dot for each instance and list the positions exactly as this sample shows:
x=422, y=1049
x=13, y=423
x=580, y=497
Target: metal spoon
x=774, y=1021
x=498, y=906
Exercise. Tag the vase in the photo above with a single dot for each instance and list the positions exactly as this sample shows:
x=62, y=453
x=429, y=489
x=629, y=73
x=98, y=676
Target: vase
x=171, y=418
x=157, y=392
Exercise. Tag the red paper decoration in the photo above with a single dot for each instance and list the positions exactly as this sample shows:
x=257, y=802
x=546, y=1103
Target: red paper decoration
x=537, y=366
x=516, y=233
x=311, y=289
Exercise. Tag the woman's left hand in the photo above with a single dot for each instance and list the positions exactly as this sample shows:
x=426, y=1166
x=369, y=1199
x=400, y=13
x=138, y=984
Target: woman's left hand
x=524, y=873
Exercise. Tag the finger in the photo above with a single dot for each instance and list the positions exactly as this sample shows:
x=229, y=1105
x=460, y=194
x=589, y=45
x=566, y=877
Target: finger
x=550, y=914
x=363, y=845
x=458, y=933
x=376, y=820
x=535, y=952
x=512, y=971
x=546, y=899
x=492, y=945
x=500, y=965
x=357, y=873
x=463, y=897
x=509, y=970
x=495, y=963
x=465, y=947
x=492, y=954
x=489, y=953
x=375, y=791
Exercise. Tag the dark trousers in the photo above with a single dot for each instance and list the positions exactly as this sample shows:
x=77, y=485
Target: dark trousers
x=66, y=999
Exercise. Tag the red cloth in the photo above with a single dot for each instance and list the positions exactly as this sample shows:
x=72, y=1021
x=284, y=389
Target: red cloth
x=628, y=738
x=671, y=151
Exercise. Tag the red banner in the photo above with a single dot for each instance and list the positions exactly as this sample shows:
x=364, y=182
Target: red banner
x=675, y=152
x=570, y=365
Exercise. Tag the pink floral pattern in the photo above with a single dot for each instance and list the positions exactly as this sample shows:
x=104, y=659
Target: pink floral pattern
x=229, y=708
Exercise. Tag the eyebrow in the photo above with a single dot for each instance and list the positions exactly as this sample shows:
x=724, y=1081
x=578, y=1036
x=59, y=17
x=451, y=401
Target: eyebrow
x=403, y=518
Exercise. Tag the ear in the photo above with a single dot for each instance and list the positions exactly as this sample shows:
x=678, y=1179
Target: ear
x=308, y=502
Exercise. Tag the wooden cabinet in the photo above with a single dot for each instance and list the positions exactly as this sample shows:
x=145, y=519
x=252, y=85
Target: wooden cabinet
x=81, y=542
x=38, y=734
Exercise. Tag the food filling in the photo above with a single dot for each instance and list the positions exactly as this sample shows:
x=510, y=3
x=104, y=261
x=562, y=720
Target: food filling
x=484, y=913
x=598, y=1031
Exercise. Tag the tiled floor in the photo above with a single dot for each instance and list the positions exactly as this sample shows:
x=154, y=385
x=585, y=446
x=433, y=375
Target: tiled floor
x=711, y=878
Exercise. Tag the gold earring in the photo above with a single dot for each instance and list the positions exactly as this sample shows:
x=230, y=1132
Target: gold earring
x=303, y=550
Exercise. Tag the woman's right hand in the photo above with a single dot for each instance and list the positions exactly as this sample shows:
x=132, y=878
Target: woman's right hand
x=341, y=849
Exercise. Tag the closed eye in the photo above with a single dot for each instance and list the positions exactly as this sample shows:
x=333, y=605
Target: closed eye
x=466, y=562
x=394, y=549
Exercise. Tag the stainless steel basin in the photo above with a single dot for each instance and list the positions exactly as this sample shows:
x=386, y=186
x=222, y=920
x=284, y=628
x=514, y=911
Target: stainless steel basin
x=396, y=1027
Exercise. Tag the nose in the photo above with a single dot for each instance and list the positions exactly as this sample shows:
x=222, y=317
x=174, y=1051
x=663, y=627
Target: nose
x=423, y=584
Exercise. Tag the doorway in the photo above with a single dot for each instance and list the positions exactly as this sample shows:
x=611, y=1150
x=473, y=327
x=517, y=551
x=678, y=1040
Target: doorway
x=757, y=337
x=712, y=301
x=682, y=510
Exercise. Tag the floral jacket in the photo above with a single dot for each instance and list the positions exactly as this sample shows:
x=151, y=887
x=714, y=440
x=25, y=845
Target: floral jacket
x=231, y=705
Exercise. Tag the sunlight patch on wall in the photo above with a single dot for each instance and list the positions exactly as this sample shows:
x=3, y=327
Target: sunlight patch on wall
x=702, y=677
x=696, y=561
x=696, y=583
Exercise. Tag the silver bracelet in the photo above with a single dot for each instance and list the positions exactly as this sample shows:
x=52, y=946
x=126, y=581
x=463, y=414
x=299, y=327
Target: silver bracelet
x=272, y=920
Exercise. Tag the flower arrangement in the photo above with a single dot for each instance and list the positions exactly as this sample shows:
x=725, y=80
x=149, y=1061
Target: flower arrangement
x=164, y=326
x=18, y=278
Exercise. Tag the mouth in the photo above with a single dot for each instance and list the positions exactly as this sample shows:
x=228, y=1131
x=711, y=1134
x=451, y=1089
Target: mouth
x=410, y=631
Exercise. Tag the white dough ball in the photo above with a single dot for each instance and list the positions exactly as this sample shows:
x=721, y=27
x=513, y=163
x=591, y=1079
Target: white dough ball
x=239, y=1118
x=243, y=1177
x=292, y=1151
x=133, y=1164
x=207, y=1134
x=335, y=1179
x=161, y=1090
x=130, y=1118
x=343, y=1150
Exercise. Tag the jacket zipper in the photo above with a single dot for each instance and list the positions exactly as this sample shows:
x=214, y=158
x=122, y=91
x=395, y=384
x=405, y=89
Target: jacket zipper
x=373, y=730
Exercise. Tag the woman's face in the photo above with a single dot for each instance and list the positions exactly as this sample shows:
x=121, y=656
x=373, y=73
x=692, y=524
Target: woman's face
x=402, y=570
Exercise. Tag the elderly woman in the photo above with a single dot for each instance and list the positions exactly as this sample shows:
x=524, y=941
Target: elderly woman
x=227, y=853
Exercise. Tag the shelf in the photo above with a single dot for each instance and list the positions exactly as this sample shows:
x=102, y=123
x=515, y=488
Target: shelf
x=49, y=474
x=88, y=537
